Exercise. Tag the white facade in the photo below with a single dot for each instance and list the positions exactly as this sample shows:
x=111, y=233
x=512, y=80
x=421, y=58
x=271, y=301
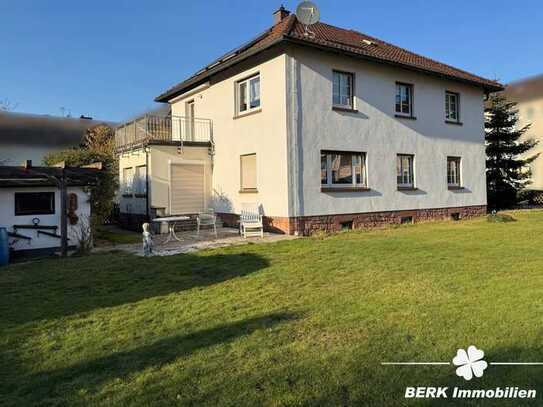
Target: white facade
x=296, y=122
x=9, y=219
x=314, y=126
x=262, y=132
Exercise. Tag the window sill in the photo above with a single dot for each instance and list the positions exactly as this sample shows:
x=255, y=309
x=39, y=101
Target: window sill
x=453, y=122
x=404, y=116
x=345, y=189
x=407, y=189
x=248, y=191
x=245, y=114
x=338, y=108
x=455, y=188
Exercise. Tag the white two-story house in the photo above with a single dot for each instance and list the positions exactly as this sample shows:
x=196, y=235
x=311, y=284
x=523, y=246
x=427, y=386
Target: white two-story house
x=326, y=129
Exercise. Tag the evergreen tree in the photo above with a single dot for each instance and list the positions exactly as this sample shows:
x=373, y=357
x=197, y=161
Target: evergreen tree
x=507, y=166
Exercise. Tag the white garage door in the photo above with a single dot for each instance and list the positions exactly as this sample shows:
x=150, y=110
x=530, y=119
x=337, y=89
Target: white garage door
x=187, y=189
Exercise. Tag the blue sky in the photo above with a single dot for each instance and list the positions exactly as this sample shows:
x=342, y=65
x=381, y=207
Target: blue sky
x=109, y=59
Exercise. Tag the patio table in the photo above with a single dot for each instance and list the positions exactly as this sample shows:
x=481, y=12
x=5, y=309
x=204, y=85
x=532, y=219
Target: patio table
x=171, y=221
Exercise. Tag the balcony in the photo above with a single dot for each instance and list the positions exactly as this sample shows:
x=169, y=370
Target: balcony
x=163, y=130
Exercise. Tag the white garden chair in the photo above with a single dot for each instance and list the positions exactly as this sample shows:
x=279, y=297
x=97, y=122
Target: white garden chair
x=207, y=218
x=250, y=221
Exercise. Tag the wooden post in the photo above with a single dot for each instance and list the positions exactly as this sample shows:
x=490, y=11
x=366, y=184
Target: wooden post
x=63, y=215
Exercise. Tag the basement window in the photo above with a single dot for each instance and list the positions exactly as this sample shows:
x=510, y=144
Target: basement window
x=406, y=220
x=34, y=203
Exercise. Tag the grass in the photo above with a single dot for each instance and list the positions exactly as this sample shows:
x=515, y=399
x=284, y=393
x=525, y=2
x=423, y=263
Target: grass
x=303, y=322
x=114, y=236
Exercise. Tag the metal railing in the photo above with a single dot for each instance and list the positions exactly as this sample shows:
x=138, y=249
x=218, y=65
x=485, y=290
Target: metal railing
x=159, y=129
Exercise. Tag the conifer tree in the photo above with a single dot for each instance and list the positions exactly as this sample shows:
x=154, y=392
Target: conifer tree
x=507, y=165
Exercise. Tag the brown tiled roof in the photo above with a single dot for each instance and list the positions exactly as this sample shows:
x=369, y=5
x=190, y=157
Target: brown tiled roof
x=526, y=89
x=336, y=39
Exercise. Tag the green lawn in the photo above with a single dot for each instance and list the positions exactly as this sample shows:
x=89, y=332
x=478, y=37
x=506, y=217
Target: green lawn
x=303, y=322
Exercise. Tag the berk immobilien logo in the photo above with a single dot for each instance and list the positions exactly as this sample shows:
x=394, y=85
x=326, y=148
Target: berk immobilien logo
x=469, y=363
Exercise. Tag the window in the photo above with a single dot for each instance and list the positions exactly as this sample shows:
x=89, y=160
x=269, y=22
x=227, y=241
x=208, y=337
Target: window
x=453, y=171
x=343, y=169
x=140, y=180
x=404, y=99
x=248, y=94
x=34, y=203
x=343, y=89
x=128, y=181
x=452, y=106
x=404, y=171
x=248, y=172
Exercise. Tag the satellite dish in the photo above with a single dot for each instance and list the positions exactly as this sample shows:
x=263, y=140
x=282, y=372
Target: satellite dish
x=308, y=14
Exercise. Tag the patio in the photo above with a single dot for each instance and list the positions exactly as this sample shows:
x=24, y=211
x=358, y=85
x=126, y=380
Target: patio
x=190, y=241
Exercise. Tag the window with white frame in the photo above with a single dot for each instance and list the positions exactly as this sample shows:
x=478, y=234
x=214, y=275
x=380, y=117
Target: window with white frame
x=405, y=171
x=248, y=172
x=343, y=89
x=343, y=169
x=454, y=178
x=248, y=94
x=128, y=181
x=404, y=99
x=452, y=105
x=140, y=180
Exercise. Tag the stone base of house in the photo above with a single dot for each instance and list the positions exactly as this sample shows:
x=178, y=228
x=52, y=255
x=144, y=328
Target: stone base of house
x=306, y=225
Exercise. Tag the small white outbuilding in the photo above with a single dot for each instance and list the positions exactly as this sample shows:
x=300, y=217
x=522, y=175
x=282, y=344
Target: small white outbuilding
x=30, y=206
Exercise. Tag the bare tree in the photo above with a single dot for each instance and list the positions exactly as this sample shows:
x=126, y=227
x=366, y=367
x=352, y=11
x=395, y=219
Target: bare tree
x=6, y=105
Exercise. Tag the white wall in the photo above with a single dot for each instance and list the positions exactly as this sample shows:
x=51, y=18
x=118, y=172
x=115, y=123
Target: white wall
x=313, y=126
x=535, y=132
x=131, y=204
x=263, y=133
x=160, y=158
x=8, y=218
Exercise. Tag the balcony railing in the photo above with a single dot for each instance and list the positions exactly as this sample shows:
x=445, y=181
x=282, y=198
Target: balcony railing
x=151, y=129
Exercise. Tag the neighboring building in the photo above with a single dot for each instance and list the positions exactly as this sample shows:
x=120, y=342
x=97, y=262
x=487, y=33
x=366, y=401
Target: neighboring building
x=30, y=206
x=324, y=130
x=528, y=94
x=31, y=137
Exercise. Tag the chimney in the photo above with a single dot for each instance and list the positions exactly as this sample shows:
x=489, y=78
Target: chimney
x=280, y=15
x=27, y=164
